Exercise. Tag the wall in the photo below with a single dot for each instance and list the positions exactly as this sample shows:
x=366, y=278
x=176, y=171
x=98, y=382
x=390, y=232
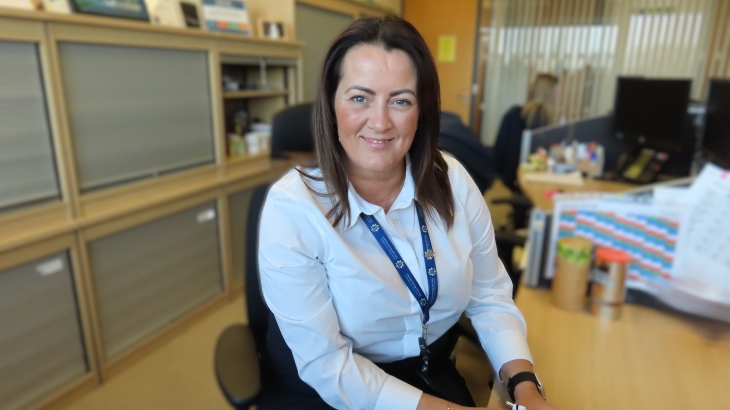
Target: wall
x=434, y=18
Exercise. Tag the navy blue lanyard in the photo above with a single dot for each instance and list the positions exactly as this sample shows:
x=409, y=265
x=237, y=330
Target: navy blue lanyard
x=428, y=256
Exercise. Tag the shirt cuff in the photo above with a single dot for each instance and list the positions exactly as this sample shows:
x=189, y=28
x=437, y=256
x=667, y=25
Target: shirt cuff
x=397, y=394
x=506, y=346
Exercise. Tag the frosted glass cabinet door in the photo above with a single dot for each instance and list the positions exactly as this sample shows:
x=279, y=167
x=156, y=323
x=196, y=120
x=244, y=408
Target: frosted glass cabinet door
x=136, y=112
x=27, y=170
x=149, y=276
x=41, y=346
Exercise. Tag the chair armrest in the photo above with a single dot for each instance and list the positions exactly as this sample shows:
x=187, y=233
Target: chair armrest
x=517, y=201
x=509, y=238
x=237, y=366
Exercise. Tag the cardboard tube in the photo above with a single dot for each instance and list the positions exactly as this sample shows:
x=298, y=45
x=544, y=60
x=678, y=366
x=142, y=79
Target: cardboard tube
x=608, y=289
x=571, y=274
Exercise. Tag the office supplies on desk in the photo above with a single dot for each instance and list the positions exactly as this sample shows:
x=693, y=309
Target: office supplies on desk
x=571, y=273
x=538, y=242
x=608, y=283
x=649, y=233
x=573, y=178
x=644, y=168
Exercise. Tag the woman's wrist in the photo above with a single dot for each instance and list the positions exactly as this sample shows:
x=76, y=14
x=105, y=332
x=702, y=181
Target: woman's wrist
x=526, y=391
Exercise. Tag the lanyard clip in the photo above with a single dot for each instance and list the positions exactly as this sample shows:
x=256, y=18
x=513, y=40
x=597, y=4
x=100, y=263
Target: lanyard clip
x=424, y=354
x=423, y=345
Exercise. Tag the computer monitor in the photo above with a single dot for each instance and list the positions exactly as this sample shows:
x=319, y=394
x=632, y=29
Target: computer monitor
x=716, y=138
x=651, y=111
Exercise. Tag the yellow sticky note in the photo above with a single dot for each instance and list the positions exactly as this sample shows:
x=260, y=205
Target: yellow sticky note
x=447, y=49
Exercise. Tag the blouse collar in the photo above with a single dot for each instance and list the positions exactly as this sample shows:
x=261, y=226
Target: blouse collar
x=405, y=198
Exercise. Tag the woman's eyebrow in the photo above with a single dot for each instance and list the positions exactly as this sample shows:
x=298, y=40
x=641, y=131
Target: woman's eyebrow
x=372, y=92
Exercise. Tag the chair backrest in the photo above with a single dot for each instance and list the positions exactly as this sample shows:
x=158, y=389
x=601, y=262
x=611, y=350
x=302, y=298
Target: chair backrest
x=291, y=130
x=461, y=142
x=258, y=312
x=506, y=150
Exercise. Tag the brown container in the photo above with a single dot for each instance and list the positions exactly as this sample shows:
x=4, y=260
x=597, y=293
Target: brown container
x=571, y=273
x=608, y=287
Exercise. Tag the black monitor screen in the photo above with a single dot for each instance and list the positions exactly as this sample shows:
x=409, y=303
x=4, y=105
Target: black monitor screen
x=716, y=141
x=654, y=110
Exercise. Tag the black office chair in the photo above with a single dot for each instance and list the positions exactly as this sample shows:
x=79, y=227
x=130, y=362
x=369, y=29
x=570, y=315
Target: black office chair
x=291, y=131
x=506, y=152
x=458, y=140
x=237, y=350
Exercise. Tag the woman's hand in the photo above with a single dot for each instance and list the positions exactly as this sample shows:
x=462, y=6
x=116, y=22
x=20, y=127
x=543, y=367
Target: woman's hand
x=429, y=402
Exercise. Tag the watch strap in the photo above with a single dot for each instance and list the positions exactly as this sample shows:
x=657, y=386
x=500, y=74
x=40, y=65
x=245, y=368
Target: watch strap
x=519, y=378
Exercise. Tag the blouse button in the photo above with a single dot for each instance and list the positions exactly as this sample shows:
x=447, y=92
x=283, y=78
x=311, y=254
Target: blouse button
x=395, y=221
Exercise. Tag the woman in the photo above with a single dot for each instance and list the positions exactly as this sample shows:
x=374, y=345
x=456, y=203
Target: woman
x=384, y=207
x=537, y=112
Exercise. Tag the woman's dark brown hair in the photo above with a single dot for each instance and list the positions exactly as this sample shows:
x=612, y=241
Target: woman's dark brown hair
x=429, y=169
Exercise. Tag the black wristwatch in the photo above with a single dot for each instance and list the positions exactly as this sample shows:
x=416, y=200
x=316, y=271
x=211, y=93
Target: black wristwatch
x=524, y=377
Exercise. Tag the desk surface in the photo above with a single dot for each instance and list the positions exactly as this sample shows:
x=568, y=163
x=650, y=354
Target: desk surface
x=646, y=360
x=536, y=190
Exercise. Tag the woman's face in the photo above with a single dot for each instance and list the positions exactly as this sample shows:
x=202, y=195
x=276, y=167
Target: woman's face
x=376, y=109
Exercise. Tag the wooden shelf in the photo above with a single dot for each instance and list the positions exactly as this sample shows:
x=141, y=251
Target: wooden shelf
x=143, y=26
x=230, y=95
x=247, y=157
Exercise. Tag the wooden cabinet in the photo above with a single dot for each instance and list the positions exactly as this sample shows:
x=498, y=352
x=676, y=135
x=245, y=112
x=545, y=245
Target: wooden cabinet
x=114, y=189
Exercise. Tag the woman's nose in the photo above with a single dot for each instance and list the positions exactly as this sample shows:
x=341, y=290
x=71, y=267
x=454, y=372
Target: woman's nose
x=379, y=120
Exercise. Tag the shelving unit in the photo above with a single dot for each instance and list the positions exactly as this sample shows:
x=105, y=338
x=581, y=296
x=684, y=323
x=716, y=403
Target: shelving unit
x=266, y=86
x=117, y=207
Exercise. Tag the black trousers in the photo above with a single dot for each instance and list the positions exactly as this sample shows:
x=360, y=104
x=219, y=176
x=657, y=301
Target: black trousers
x=283, y=389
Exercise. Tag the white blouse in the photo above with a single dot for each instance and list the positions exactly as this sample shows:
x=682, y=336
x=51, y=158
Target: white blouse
x=341, y=305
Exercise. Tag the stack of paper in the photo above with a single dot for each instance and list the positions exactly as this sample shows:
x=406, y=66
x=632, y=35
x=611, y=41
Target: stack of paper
x=704, y=263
